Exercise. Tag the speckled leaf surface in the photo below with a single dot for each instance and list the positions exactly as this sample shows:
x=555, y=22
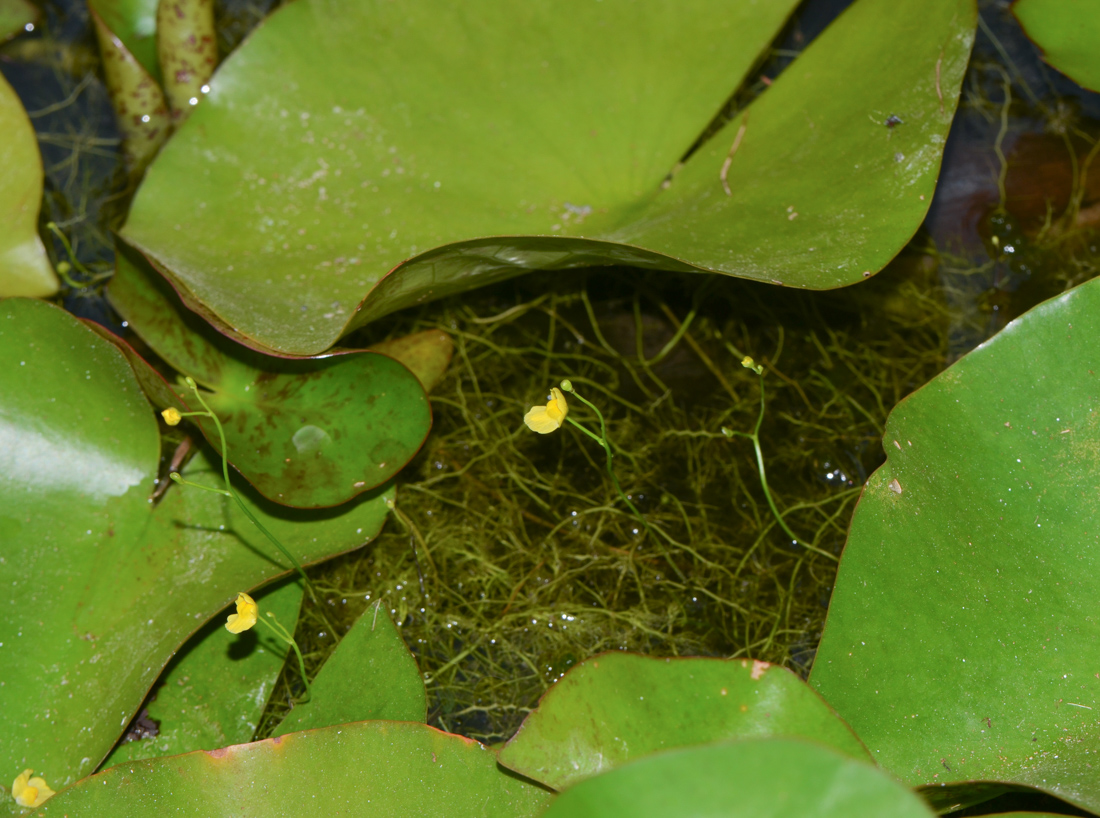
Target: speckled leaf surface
x=14, y=16
x=480, y=141
x=620, y=707
x=24, y=268
x=140, y=108
x=377, y=769
x=963, y=638
x=370, y=675
x=1068, y=32
x=187, y=48
x=101, y=586
x=756, y=778
x=214, y=690
x=134, y=23
x=306, y=433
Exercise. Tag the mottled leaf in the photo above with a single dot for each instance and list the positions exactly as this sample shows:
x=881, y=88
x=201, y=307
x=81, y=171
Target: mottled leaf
x=187, y=47
x=306, y=433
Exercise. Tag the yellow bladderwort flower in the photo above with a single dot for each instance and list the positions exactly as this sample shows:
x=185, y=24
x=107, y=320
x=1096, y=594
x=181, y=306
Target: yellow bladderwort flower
x=30, y=792
x=548, y=418
x=171, y=416
x=245, y=617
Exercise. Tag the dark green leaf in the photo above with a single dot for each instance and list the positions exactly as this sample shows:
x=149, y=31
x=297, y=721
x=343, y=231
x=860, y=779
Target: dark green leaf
x=101, y=587
x=963, y=640
x=306, y=433
x=214, y=691
x=370, y=675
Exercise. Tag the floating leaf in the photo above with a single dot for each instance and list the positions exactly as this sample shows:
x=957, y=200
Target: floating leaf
x=370, y=675
x=102, y=587
x=306, y=433
x=1068, y=32
x=187, y=47
x=24, y=268
x=427, y=354
x=15, y=15
x=477, y=142
x=138, y=101
x=963, y=641
x=619, y=707
x=778, y=778
x=215, y=689
x=374, y=768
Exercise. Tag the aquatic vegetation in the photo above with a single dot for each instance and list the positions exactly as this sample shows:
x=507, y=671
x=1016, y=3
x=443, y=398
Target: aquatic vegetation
x=548, y=627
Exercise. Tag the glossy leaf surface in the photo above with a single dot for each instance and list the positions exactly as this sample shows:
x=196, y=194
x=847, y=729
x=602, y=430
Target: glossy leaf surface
x=306, y=433
x=370, y=675
x=756, y=778
x=24, y=267
x=377, y=769
x=962, y=641
x=480, y=141
x=14, y=16
x=214, y=691
x=619, y=707
x=1068, y=32
x=102, y=587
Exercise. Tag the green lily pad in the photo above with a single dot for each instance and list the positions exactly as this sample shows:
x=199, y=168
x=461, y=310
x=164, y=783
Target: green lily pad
x=619, y=707
x=479, y=142
x=305, y=433
x=14, y=17
x=102, y=587
x=24, y=268
x=375, y=768
x=776, y=778
x=963, y=640
x=1068, y=32
x=370, y=675
x=214, y=691
x=427, y=354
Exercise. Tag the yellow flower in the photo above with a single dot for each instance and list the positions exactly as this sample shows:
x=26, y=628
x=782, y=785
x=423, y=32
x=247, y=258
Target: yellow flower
x=245, y=617
x=171, y=416
x=548, y=418
x=29, y=792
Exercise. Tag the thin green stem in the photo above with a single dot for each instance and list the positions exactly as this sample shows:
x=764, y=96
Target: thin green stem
x=603, y=441
x=755, y=438
x=276, y=627
x=240, y=503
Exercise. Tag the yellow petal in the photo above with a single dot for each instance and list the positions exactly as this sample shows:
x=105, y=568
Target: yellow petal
x=171, y=416
x=539, y=420
x=20, y=784
x=245, y=617
x=557, y=408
